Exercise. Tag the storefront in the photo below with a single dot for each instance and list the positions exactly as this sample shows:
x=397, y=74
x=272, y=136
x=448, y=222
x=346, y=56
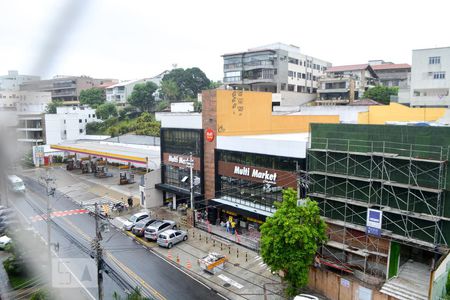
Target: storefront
x=248, y=185
x=177, y=144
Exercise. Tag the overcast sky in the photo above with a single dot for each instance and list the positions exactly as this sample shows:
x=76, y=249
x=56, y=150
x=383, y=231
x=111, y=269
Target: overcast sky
x=140, y=38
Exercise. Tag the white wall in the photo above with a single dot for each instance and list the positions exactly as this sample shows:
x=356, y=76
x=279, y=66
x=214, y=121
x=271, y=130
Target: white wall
x=347, y=113
x=152, y=196
x=66, y=125
x=182, y=107
x=180, y=120
x=290, y=145
x=24, y=101
x=422, y=80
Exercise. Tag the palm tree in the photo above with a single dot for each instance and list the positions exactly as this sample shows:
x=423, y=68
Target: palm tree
x=170, y=90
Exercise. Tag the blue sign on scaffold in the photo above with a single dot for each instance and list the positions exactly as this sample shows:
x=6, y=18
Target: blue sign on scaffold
x=373, y=222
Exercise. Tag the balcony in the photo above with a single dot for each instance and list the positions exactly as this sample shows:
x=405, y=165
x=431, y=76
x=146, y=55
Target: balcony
x=335, y=90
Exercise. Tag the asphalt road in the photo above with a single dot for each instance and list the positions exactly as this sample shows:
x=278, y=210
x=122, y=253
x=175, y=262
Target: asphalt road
x=136, y=264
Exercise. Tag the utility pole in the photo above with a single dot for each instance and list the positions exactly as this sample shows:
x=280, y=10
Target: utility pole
x=190, y=165
x=50, y=192
x=99, y=253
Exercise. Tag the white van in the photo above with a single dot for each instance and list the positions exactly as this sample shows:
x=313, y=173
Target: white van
x=15, y=184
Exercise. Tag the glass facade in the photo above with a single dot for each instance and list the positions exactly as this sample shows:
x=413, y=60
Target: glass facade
x=250, y=192
x=182, y=141
x=179, y=177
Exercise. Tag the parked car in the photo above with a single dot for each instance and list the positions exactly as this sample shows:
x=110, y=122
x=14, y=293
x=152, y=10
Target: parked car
x=7, y=212
x=305, y=297
x=4, y=240
x=139, y=228
x=131, y=222
x=171, y=237
x=152, y=232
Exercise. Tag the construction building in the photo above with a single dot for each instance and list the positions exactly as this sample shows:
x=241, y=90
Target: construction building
x=382, y=189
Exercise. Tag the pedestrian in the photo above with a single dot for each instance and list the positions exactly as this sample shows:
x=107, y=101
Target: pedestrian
x=233, y=227
x=227, y=224
x=130, y=202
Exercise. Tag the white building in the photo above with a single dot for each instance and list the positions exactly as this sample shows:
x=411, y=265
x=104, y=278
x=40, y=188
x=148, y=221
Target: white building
x=276, y=68
x=22, y=101
x=430, y=81
x=13, y=80
x=119, y=93
x=69, y=123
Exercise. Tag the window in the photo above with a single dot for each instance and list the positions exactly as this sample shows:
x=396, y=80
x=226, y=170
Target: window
x=64, y=121
x=81, y=130
x=291, y=74
x=291, y=87
x=314, y=78
x=85, y=120
x=89, y=115
x=93, y=115
x=293, y=60
x=303, y=75
x=439, y=75
x=434, y=60
x=65, y=131
x=80, y=121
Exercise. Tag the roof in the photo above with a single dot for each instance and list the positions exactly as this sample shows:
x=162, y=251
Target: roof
x=127, y=82
x=347, y=68
x=137, y=154
x=390, y=66
x=365, y=102
x=249, y=51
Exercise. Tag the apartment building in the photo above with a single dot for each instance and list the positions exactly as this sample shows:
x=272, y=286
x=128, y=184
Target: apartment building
x=65, y=88
x=391, y=74
x=119, y=93
x=344, y=84
x=430, y=82
x=273, y=68
x=69, y=123
x=13, y=80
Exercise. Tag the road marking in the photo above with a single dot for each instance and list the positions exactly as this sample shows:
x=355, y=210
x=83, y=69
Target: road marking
x=135, y=276
x=230, y=281
x=59, y=214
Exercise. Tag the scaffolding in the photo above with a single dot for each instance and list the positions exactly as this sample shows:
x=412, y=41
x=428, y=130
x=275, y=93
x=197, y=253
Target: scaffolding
x=408, y=182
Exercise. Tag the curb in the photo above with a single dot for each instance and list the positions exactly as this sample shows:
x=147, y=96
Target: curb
x=181, y=268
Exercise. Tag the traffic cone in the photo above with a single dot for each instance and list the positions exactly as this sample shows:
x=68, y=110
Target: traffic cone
x=169, y=255
x=178, y=258
x=188, y=264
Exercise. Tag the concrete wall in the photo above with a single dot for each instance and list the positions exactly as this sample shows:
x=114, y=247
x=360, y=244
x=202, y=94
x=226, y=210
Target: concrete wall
x=209, y=122
x=152, y=196
x=380, y=114
x=294, y=98
x=250, y=113
x=337, y=287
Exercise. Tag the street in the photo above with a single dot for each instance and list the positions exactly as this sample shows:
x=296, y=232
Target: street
x=135, y=263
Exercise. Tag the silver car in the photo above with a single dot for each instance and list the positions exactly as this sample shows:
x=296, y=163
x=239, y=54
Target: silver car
x=171, y=237
x=129, y=224
x=139, y=228
x=153, y=230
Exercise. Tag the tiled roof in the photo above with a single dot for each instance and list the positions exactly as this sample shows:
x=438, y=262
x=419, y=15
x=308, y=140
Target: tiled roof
x=347, y=68
x=390, y=66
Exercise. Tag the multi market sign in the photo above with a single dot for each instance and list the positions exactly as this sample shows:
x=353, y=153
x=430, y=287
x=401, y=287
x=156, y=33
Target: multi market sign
x=266, y=176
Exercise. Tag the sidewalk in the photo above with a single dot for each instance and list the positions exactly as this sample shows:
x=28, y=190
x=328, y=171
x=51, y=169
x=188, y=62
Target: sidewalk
x=245, y=275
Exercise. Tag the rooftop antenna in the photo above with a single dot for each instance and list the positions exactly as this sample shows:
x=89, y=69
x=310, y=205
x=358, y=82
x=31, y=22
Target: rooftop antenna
x=174, y=66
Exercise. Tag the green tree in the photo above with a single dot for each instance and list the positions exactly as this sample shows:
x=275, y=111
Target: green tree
x=215, y=84
x=162, y=105
x=170, y=90
x=290, y=239
x=93, y=97
x=190, y=82
x=381, y=93
x=143, y=97
x=51, y=107
x=106, y=110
